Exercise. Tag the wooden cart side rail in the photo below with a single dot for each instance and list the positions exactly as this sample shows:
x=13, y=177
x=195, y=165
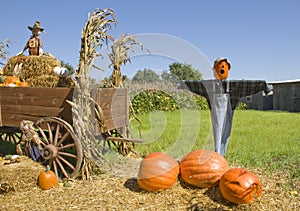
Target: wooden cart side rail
x=114, y=103
x=34, y=91
x=37, y=101
x=32, y=103
x=28, y=110
x=37, y=96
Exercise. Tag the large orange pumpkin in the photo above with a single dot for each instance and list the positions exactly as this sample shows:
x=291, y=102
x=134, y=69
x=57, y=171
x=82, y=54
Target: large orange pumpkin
x=157, y=171
x=202, y=168
x=47, y=179
x=240, y=186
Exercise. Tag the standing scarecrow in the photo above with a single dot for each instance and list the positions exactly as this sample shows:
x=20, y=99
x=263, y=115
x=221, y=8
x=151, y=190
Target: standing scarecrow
x=222, y=97
x=34, y=44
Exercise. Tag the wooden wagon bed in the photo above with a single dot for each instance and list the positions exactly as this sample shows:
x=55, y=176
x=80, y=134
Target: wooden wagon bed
x=33, y=103
x=52, y=114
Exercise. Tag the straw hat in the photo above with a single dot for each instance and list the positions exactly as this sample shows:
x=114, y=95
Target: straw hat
x=37, y=25
x=218, y=60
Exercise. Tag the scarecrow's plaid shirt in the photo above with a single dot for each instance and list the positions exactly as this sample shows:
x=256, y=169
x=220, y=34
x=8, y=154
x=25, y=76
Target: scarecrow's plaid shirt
x=237, y=88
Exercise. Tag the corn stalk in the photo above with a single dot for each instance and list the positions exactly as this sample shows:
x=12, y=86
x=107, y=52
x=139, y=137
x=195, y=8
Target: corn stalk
x=94, y=35
x=120, y=56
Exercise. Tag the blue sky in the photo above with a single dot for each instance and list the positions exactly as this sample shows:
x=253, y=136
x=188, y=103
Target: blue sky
x=261, y=38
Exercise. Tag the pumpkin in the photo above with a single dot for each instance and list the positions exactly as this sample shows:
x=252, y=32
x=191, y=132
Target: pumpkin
x=11, y=80
x=22, y=84
x=240, y=186
x=221, y=68
x=157, y=171
x=47, y=179
x=202, y=168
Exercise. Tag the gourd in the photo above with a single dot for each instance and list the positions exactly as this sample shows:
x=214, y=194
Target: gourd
x=202, y=168
x=240, y=186
x=157, y=171
x=47, y=179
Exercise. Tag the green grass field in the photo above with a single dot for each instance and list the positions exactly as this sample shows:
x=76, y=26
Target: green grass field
x=259, y=139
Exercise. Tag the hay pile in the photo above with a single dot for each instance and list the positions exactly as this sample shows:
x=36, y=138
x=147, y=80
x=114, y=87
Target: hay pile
x=111, y=192
x=19, y=176
x=37, y=71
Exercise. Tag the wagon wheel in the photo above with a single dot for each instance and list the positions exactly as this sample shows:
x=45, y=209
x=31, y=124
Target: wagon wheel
x=61, y=149
x=10, y=134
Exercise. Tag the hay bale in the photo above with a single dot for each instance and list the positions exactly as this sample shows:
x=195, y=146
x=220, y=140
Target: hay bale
x=32, y=66
x=11, y=63
x=37, y=71
x=43, y=81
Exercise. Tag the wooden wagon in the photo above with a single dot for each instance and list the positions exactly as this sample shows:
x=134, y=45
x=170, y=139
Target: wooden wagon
x=52, y=117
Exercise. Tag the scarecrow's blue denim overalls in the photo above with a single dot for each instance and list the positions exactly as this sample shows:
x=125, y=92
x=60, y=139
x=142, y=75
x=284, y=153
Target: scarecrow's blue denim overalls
x=221, y=114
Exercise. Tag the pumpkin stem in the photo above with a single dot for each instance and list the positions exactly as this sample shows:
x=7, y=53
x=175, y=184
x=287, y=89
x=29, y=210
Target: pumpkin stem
x=47, y=168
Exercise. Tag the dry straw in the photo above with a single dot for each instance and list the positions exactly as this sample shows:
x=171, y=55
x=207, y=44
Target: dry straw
x=37, y=71
x=32, y=66
x=106, y=192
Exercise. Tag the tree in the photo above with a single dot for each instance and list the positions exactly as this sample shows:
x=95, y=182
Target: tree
x=165, y=76
x=180, y=71
x=145, y=76
x=3, y=53
x=68, y=66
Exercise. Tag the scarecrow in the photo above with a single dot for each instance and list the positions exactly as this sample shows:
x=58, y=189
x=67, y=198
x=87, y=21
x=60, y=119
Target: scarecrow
x=222, y=97
x=34, y=44
x=31, y=140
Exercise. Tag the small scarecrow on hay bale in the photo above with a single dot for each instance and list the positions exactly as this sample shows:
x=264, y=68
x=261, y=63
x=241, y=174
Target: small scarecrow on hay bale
x=38, y=69
x=34, y=44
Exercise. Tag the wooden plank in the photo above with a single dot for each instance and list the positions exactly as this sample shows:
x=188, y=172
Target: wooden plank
x=30, y=110
x=15, y=119
x=116, y=122
x=110, y=92
x=32, y=103
x=115, y=106
x=38, y=101
x=34, y=91
x=114, y=113
x=110, y=103
x=41, y=96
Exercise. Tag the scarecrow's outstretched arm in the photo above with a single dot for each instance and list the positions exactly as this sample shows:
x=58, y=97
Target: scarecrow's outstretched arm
x=242, y=88
x=197, y=87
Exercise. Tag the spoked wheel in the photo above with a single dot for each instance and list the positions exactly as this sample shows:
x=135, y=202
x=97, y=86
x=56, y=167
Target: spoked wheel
x=10, y=134
x=61, y=149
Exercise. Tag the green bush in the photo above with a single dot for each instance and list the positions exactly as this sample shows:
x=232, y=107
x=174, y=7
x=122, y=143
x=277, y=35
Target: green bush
x=241, y=106
x=158, y=100
x=151, y=100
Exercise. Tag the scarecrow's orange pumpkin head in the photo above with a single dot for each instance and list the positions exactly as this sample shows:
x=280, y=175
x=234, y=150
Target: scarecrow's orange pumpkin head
x=221, y=68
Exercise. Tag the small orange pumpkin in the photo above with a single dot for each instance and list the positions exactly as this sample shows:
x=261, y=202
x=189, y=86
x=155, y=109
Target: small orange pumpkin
x=221, y=68
x=240, y=186
x=11, y=80
x=22, y=84
x=158, y=171
x=202, y=168
x=47, y=179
